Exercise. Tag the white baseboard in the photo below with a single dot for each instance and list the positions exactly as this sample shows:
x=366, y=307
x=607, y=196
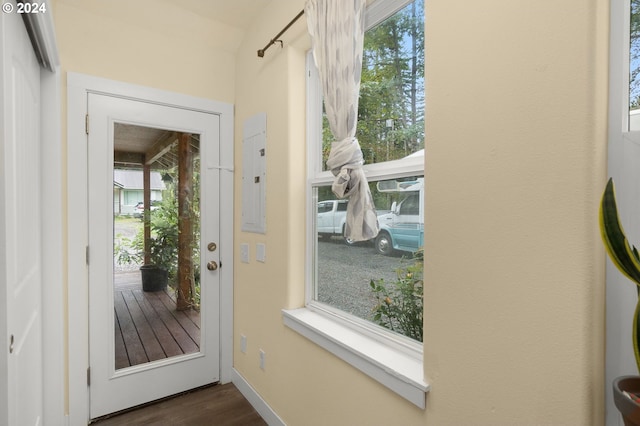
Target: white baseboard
x=256, y=400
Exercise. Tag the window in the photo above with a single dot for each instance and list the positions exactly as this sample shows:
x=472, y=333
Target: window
x=324, y=207
x=409, y=206
x=352, y=288
x=365, y=279
x=631, y=59
x=623, y=166
x=380, y=280
x=634, y=66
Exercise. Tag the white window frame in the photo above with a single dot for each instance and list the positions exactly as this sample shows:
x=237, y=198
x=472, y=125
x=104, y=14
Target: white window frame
x=395, y=361
x=624, y=168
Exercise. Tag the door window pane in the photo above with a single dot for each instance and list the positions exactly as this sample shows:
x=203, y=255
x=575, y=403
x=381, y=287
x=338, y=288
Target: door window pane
x=156, y=248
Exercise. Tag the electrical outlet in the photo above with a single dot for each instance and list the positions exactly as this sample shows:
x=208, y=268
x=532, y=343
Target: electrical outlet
x=262, y=359
x=243, y=344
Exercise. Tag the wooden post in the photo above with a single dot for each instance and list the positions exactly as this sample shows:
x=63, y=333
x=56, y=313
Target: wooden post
x=146, y=217
x=185, y=232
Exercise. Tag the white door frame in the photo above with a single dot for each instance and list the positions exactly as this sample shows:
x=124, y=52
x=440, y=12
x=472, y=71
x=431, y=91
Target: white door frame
x=53, y=295
x=53, y=368
x=78, y=86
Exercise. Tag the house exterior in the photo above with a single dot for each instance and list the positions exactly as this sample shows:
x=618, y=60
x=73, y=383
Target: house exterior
x=128, y=190
x=514, y=317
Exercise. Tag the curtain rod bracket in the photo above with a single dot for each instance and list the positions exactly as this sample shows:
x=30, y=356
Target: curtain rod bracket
x=276, y=38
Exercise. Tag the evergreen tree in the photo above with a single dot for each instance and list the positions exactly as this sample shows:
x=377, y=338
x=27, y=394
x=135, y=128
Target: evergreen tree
x=391, y=106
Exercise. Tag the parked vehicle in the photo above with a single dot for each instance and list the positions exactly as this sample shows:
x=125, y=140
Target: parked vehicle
x=403, y=228
x=139, y=208
x=332, y=215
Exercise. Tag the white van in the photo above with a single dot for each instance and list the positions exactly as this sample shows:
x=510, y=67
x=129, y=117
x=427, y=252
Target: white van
x=403, y=228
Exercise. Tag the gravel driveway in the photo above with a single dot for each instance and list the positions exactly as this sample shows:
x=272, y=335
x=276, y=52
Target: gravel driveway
x=344, y=273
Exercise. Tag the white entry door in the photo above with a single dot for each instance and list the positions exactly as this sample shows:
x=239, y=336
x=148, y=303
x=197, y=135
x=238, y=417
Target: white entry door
x=119, y=379
x=20, y=226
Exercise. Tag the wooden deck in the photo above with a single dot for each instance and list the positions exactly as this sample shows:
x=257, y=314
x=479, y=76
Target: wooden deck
x=147, y=325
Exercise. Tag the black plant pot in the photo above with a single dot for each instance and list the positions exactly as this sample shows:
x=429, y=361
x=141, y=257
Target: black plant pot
x=629, y=408
x=154, y=278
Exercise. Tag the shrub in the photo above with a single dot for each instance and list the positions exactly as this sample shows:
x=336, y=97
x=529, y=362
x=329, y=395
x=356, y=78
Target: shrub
x=400, y=303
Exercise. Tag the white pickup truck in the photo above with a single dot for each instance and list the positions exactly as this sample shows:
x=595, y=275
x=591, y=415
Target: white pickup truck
x=332, y=215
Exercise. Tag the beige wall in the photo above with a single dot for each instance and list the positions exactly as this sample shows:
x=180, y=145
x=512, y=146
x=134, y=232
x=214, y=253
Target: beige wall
x=514, y=318
x=515, y=162
x=150, y=43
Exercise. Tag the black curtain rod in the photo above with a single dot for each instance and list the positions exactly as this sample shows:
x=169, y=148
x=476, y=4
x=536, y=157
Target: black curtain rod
x=275, y=39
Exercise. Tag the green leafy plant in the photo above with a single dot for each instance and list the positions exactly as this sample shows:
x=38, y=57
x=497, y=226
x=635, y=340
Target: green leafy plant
x=624, y=256
x=163, y=243
x=126, y=252
x=399, y=304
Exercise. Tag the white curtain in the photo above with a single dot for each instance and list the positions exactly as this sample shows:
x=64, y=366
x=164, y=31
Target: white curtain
x=337, y=32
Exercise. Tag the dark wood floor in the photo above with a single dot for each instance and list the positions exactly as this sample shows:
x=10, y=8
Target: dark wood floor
x=149, y=328
x=147, y=325
x=220, y=405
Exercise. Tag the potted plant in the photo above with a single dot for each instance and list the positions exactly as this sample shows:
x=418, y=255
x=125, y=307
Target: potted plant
x=154, y=277
x=626, y=389
x=162, y=246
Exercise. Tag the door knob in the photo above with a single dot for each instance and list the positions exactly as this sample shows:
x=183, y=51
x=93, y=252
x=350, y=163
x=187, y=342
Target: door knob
x=212, y=266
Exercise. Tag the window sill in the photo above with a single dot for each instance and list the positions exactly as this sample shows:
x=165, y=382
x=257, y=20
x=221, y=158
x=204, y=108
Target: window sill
x=393, y=367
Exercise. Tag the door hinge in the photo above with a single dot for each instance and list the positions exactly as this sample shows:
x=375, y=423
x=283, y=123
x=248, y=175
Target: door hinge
x=86, y=255
x=86, y=123
x=88, y=376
